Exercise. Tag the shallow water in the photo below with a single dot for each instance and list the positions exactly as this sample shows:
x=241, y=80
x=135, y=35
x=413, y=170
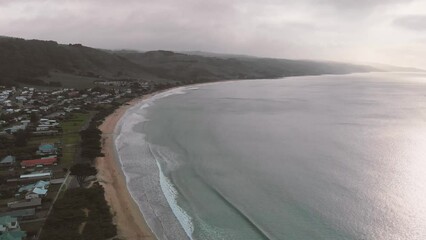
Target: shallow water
x=324, y=157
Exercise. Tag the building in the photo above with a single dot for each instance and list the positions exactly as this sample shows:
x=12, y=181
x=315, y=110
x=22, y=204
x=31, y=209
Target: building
x=14, y=235
x=46, y=149
x=36, y=175
x=36, y=193
x=10, y=230
x=46, y=133
x=8, y=161
x=21, y=214
x=35, y=202
x=30, y=187
x=39, y=162
x=8, y=223
x=15, y=129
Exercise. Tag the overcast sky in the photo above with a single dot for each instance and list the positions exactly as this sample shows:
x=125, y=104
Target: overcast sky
x=387, y=31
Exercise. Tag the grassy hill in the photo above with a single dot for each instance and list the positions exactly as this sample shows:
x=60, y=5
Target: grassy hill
x=48, y=63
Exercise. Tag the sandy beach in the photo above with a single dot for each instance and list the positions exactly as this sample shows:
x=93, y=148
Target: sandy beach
x=127, y=216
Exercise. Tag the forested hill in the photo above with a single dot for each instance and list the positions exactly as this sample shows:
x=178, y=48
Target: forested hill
x=35, y=62
x=28, y=60
x=185, y=67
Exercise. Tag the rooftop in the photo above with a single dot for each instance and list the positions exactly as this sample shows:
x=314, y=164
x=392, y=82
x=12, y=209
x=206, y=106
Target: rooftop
x=7, y=219
x=47, y=147
x=19, y=213
x=39, y=184
x=41, y=161
x=13, y=235
x=8, y=160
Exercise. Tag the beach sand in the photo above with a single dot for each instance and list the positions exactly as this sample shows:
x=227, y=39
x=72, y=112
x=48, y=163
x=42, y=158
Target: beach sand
x=127, y=216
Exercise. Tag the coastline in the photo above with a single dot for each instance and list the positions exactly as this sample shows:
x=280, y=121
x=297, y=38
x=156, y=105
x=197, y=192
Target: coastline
x=128, y=218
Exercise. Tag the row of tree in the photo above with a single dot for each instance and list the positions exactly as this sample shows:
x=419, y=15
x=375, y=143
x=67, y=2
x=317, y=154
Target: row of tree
x=91, y=146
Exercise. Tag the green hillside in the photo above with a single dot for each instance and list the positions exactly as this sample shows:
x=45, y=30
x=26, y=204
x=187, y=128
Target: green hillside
x=47, y=63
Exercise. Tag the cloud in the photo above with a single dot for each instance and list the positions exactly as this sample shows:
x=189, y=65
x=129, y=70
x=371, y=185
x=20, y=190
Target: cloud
x=361, y=4
x=412, y=22
x=320, y=29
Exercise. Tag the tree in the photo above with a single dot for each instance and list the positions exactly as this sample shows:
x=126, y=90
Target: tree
x=21, y=138
x=34, y=117
x=81, y=171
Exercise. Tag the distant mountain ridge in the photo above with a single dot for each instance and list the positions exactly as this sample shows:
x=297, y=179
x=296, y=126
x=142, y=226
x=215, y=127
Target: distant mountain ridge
x=386, y=67
x=32, y=61
x=196, y=68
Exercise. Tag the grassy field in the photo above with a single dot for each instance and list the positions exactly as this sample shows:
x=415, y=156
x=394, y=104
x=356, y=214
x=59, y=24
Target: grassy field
x=71, y=81
x=70, y=137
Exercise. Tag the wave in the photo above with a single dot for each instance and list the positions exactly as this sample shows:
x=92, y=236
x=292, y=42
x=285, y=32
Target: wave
x=238, y=210
x=171, y=195
x=128, y=139
x=142, y=177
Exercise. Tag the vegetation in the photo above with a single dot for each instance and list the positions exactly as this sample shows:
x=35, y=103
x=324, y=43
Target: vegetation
x=37, y=62
x=69, y=212
x=71, y=137
x=26, y=61
x=91, y=136
x=81, y=171
x=82, y=214
x=21, y=138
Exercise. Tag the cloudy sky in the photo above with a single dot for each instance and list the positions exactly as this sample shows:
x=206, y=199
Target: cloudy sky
x=387, y=31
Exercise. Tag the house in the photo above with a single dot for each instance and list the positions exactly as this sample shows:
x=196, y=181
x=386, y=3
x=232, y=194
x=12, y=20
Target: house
x=15, y=129
x=8, y=223
x=36, y=193
x=41, y=192
x=36, y=175
x=21, y=214
x=39, y=162
x=31, y=195
x=40, y=184
x=35, y=202
x=14, y=235
x=45, y=133
x=47, y=149
x=42, y=128
x=8, y=161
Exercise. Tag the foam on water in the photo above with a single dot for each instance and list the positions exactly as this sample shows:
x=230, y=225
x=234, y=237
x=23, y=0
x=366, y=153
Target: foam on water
x=145, y=178
x=171, y=195
x=279, y=161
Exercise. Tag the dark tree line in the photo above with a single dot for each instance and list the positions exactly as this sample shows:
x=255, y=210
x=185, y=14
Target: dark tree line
x=68, y=215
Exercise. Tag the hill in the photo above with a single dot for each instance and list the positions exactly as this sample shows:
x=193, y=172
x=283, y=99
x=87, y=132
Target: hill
x=33, y=61
x=196, y=68
x=49, y=63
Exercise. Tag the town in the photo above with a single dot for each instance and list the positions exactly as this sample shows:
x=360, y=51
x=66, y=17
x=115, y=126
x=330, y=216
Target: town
x=48, y=142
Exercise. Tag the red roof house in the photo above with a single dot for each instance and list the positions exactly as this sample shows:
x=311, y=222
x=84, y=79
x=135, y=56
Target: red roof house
x=42, y=161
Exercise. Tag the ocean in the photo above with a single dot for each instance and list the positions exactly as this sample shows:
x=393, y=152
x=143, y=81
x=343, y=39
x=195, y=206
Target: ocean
x=298, y=158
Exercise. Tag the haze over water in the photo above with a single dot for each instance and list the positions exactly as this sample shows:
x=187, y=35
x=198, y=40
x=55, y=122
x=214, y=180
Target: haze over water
x=323, y=157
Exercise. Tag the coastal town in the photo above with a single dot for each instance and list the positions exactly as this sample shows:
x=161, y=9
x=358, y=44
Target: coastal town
x=48, y=143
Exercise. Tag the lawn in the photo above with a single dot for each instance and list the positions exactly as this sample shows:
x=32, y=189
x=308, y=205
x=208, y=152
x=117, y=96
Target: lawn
x=70, y=138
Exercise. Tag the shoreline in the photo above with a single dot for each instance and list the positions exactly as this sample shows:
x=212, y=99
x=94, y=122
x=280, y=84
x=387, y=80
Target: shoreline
x=130, y=222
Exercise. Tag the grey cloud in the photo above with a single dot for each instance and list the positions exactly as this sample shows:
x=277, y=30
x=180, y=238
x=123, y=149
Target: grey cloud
x=361, y=4
x=412, y=22
x=328, y=29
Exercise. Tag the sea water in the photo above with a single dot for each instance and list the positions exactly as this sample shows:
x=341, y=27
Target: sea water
x=319, y=157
